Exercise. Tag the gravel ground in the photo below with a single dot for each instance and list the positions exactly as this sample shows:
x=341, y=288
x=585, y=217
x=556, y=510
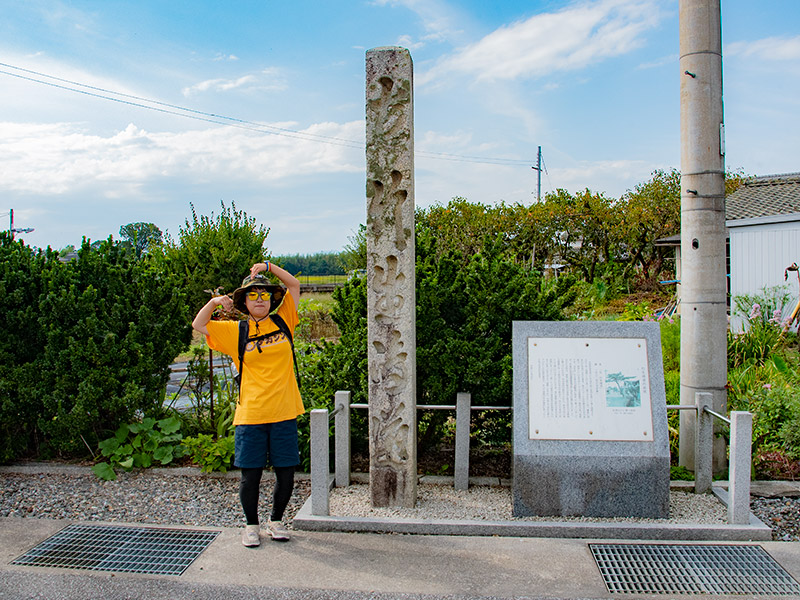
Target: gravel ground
x=494, y=504
x=782, y=514
x=200, y=500
x=145, y=497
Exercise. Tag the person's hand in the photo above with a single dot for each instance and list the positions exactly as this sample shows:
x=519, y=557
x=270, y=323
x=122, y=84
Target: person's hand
x=224, y=301
x=258, y=268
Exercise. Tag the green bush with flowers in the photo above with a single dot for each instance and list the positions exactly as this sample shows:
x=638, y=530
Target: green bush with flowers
x=763, y=376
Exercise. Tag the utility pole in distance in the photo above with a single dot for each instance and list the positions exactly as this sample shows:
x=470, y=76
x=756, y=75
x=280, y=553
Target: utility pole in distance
x=538, y=168
x=11, y=226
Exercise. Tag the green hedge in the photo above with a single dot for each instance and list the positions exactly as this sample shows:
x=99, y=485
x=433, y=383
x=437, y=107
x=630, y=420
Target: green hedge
x=86, y=347
x=465, y=307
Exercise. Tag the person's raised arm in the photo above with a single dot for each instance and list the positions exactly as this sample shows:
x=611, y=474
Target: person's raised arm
x=290, y=281
x=204, y=314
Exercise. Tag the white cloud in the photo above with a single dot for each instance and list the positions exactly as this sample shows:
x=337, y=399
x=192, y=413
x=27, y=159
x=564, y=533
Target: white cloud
x=438, y=21
x=768, y=49
x=611, y=177
x=569, y=39
x=51, y=159
x=407, y=42
x=42, y=67
x=267, y=79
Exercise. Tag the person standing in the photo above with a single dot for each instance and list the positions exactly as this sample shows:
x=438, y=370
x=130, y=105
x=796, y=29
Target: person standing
x=269, y=397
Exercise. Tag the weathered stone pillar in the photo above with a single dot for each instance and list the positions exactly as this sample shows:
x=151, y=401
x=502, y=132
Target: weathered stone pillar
x=703, y=278
x=391, y=298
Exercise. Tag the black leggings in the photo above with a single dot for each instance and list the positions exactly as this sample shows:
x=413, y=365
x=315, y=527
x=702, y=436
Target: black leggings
x=249, y=489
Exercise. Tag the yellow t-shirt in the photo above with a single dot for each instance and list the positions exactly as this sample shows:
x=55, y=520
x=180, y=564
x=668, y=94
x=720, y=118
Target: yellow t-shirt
x=269, y=391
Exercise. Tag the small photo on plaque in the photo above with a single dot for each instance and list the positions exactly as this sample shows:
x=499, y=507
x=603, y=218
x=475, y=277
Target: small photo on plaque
x=623, y=390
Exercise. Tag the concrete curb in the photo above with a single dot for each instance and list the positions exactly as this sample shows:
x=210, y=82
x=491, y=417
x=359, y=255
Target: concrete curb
x=756, y=531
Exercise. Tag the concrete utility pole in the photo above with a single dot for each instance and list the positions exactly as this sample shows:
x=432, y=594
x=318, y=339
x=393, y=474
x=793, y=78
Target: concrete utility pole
x=703, y=280
x=11, y=226
x=391, y=295
x=538, y=168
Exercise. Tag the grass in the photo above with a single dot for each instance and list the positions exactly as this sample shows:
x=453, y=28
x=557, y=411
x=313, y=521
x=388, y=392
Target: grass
x=317, y=279
x=316, y=301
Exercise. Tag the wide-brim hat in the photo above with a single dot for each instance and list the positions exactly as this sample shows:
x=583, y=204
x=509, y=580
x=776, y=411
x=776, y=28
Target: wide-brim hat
x=258, y=281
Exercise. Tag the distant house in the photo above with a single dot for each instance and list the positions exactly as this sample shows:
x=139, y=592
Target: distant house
x=763, y=220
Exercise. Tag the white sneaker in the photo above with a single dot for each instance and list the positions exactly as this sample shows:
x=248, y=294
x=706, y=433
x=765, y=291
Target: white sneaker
x=278, y=532
x=250, y=536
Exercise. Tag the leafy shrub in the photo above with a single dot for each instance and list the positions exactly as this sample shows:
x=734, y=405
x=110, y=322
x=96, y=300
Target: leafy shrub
x=91, y=348
x=636, y=312
x=754, y=345
x=211, y=454
x=21, y=344
x=215, y=251
x=465, y=308
x=671, y=344
x=680, y=473
x=776, y=412
x=139, y=444
x=775, y=464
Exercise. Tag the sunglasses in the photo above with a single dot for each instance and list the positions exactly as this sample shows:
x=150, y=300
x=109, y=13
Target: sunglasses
x=258, y=295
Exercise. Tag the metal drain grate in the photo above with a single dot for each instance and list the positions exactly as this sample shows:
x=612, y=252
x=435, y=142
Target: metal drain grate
x=120, y=548
x=691, y=569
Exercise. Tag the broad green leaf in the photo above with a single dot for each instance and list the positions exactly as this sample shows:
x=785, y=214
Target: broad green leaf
x=163, y=454
x=169, y=425
x=104, y=471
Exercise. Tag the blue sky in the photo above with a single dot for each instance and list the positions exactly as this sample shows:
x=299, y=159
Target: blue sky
x=595, y=83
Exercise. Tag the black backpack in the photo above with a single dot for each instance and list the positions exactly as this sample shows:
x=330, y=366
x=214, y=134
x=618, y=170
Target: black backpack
x=244, y=339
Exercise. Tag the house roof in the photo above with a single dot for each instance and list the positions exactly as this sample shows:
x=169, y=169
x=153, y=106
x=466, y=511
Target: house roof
x=765, y=196
x=758, y=198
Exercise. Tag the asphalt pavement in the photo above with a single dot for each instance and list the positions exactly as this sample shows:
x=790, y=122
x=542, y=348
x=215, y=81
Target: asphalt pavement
x=340, y=565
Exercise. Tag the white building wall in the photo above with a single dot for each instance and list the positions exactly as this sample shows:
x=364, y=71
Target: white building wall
x=759, y=255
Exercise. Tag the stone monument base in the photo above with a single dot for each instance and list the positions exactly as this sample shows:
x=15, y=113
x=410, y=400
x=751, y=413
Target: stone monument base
x=591, y=486
x=590, y=420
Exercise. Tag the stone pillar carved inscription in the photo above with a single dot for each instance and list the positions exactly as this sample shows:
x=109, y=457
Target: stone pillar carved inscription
x=390, y=277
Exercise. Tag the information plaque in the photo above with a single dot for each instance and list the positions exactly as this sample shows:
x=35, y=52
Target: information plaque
x=589, y=389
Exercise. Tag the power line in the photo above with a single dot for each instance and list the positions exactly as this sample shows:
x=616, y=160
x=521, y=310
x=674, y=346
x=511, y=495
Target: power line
x=189, y=113
x=218, y=119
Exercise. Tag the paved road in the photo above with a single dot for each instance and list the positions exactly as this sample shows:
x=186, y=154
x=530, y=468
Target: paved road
x=339, y=566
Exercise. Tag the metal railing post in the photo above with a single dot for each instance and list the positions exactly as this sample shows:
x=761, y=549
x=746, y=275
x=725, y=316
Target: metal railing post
x=703, y=443
x=463, y=402
x=342, y=438
x=320, y=488
x=739, y=468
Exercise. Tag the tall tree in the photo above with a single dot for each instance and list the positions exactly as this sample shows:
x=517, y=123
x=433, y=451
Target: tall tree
x=141, y=236
x=652, y=210
x=354, y=255
x=216, y=251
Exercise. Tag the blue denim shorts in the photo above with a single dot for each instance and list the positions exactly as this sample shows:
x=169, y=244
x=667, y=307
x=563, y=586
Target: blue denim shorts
x=275, y=444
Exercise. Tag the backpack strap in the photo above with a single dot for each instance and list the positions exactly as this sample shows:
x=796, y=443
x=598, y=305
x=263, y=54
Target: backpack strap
x=244, y=330
x=284, y=328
